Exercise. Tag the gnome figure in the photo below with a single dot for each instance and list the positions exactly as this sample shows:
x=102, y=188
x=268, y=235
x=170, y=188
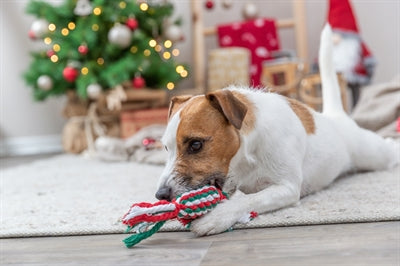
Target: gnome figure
x=352, y=57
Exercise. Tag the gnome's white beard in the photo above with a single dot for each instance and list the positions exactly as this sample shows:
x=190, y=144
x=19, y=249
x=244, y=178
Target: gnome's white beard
x=346, y=55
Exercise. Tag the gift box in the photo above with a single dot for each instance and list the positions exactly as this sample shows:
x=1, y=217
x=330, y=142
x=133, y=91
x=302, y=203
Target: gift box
x=132, y=121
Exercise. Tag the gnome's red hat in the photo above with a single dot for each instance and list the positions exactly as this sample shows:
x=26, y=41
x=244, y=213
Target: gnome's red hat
x=341, y=16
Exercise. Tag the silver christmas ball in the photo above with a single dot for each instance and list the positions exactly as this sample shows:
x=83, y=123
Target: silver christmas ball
x=39, y=28
x=173, y=33
x=250, y=11
x=44, y=82
x=120, y=35
x=93, y=91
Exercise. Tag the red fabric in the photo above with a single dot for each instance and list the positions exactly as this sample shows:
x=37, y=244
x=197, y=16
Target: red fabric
x=259, y=36
x=341, y=16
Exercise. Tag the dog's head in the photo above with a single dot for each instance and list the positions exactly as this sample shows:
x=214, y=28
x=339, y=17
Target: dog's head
x=201, y=138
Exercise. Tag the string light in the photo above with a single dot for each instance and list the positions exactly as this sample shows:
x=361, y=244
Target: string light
x=71, y=25
x=144, y=6
x=170, y=85
x=64, y=31
x=152, y=43
x=84, y=70
x=175, y=52
x=97, y=11
x=167, y=55
x=146, y=52
x=52, y=27
x=167, y=44
x=134, y=49
x=100, y=61
x=47, y=40
x=184, y=74
x=122, y=4
x=56, y=48
x=158, y=48
x=95, y=27
x=179, y=69
x=54, y=58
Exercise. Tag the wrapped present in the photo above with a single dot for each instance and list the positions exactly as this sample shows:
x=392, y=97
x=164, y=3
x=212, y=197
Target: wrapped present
x=132, y=121
x=228, y=66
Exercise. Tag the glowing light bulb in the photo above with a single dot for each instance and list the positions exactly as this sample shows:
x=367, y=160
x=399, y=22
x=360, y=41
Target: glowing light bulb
x=158, y=48
x=152, y=43
x=95, y=27
x=179, y=69
x=84, y=70
x=184, y=74
x=134, y=49
x=144, y=6
x=52, y=27
x=64, y=31
x=146, y=52
x=47, y=40
x=54, y=58
x=167, y=44
x=175, y=52
x=122, y=4
x=97, y=11
x=71, y=25
x=56, y=48
x=100, y=61
x=170, y=85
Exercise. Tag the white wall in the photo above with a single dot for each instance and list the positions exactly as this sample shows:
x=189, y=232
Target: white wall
x=23, y=119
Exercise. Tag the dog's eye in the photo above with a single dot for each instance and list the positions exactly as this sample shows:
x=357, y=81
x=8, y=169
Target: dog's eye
x=195, y=146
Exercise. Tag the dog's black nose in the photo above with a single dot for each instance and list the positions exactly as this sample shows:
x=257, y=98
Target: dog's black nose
x=164, y=193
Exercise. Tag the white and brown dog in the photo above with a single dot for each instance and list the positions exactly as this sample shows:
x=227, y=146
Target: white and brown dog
x=265, y=150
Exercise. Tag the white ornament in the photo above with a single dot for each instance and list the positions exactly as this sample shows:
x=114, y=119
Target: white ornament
x=44, y=82
x=250, y=11
x=120, y=35
x=39, y=27
x=83, y=8
x=93, y=91
x=173, y=33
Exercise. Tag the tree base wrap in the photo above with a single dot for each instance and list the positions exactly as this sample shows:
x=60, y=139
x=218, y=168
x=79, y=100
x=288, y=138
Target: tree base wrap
x=145, y=219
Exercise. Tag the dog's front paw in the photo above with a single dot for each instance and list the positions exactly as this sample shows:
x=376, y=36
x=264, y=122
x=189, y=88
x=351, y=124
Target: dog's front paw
x=214, y=222
x=220, y=219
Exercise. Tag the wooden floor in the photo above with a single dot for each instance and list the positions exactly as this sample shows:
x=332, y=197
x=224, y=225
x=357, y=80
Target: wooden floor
x=341, y=244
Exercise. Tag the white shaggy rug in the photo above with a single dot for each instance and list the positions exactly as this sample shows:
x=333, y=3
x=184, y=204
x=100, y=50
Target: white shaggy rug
x=70, y=195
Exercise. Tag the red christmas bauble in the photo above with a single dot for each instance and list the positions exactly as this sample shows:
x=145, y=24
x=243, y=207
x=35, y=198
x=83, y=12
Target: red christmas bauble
x=32, y=34
x=138, y=82
x=70, y=74
x=209, y=4
x=50, y=53
x=83, y=49
x=132, y=23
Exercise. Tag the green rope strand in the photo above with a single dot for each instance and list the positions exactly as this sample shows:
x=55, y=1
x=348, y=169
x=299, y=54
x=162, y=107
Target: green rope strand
x=136, y=238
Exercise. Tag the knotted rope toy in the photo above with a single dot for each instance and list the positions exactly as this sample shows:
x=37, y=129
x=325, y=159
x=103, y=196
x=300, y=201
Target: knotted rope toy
x=145, y=219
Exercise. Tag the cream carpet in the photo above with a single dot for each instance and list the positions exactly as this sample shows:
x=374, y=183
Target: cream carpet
x=71, y=195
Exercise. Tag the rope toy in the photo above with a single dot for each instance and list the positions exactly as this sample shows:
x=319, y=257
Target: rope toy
x=145, y=219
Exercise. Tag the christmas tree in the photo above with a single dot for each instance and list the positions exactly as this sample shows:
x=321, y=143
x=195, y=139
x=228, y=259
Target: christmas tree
x=93, y=46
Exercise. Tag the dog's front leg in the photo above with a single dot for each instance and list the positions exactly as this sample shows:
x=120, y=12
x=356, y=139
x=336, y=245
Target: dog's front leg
x=230, y=211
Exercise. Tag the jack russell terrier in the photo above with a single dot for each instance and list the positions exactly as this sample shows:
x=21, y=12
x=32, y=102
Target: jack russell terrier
x=264, y=149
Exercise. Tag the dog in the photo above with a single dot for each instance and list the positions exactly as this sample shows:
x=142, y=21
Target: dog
x=263, y=149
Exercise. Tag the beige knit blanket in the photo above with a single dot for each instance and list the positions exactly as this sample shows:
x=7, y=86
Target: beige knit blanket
x=71, y=195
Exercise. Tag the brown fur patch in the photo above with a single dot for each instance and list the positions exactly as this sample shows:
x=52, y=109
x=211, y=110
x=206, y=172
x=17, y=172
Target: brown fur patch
x=176, y=103
x=304, y=114
x=250, y=119
x=201, y=121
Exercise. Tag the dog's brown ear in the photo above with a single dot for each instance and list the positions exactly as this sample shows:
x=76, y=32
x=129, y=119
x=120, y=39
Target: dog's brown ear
x=230, y=106
x=177, y=102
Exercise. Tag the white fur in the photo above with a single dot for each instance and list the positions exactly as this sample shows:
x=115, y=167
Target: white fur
x=277, y=163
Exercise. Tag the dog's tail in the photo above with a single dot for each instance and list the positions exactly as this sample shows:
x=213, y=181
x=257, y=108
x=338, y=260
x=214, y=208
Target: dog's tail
x=331, y=100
